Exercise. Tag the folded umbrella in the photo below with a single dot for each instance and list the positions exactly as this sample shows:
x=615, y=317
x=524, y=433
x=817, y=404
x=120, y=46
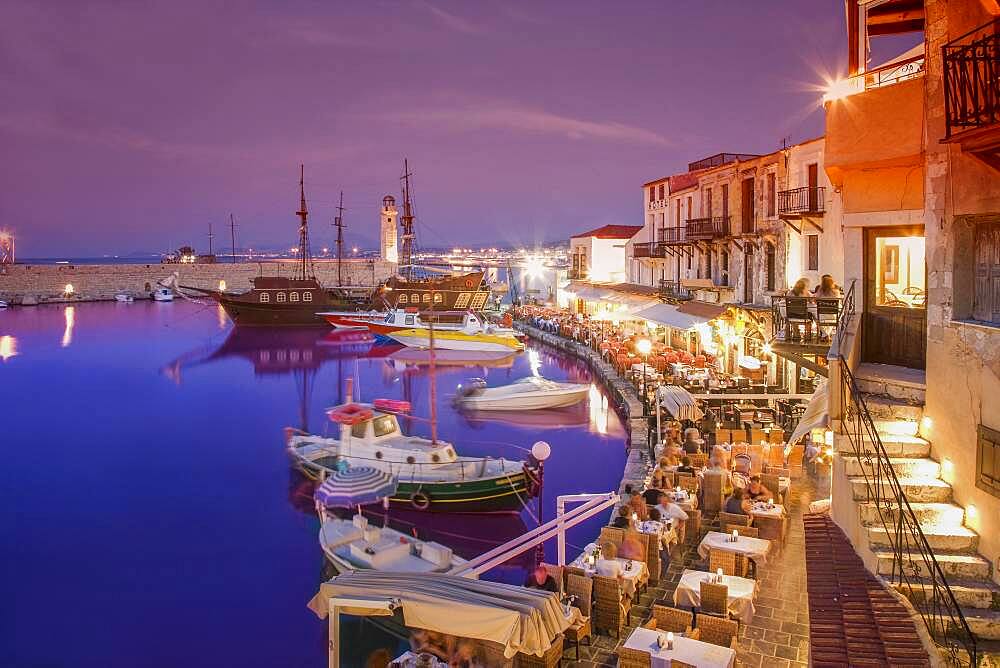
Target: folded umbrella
x=355, y=487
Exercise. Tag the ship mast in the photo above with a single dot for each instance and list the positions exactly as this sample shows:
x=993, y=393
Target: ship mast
x=303, y=214
x=339, y=223
x=407, y=222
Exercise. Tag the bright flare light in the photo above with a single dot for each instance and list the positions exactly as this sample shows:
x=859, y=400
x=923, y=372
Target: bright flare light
x=534, y=267
x=68, y=290
x=643, y=346
x=222, y=286
x=8, y=347
x=841, y=88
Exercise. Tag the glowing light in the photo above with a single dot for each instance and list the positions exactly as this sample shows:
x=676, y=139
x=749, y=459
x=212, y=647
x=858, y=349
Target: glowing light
x=354, y=250
x=325, y=249
x=70, y=315
x=8, y=347
x=643, y=346
x=68, y=290
x=534, y=267
x=947, y=469
x=221, y=314
x=926, y=423
x=838, y=89
x=828, y=437
x=534, y=362
x=766, y=349
x=972, y=516
x=222, y=286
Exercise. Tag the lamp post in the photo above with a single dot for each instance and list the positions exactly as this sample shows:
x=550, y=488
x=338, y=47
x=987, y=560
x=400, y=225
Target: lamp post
x=644, y=346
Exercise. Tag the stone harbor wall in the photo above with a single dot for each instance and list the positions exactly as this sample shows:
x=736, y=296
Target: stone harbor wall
x=103, y=281
x=626, y=400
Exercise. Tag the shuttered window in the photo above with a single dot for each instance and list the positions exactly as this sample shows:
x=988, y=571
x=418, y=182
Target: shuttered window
x=812, y=258
x=769, y=255
x=986, y=303
x=988, y=460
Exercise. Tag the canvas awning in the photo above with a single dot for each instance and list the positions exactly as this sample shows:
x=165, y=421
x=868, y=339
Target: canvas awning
x=817, y=415
x=671, y=316
x=679, y=403
x=518, y=618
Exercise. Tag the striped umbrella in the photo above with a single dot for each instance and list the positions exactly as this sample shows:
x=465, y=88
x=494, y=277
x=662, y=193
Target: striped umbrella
x=355, y=487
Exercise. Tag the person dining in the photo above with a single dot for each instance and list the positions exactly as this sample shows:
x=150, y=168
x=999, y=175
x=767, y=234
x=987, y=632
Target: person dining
x=608, y=566
x=631, y=548
x=738, y=503
x=624, y=518
x=540, y=579
x=638, y=505
x=685, y=466
x=800, y=289
x=757, y=492
x=828, y=288
x=692, y=441
x=668, y=509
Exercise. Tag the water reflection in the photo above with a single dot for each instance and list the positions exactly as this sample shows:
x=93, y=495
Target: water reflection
x=70, y=315
x=8, y=347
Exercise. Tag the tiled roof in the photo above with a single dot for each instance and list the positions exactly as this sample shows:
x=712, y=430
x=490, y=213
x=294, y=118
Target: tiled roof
x=611, y=232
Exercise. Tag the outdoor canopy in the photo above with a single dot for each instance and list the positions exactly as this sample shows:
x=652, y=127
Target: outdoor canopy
x=665, y=314
x=358, y=485
x=678, y=402
x=519, y=619
x=816, y=415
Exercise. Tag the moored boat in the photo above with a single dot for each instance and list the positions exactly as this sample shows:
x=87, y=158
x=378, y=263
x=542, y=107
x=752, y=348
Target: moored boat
x=162, y=294
x=530, y=393
x=431, y=475
x=124, y=297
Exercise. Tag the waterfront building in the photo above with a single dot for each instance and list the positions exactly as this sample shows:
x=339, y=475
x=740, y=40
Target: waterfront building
x=599, y=255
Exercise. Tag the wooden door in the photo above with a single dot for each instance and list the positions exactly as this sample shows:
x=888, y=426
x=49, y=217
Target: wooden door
x=748, y=274
x=894, y=324
x=747, y=211
x=813, y=187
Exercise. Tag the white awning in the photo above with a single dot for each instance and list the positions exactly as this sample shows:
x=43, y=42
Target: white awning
x=665, y=314
x=817, y=415
x=519, y=619
x=679, y=402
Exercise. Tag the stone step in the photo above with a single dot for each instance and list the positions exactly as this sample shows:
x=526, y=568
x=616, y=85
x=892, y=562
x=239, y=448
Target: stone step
x=895, y=382
x=928, y=490
x=887, y=408
x=893, y=426
x=968, y=593
x=984, y=624
x=961, y=566
x=905, y=467
x=953, y=539
x=937, y=514
x=890, y=390
x=903, y=445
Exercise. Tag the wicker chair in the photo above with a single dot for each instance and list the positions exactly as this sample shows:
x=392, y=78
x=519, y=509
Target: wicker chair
x=750, y=532
x=611, y=609
x=582, y=587
x=717, y=631
x=557, y=574
x=776, y=455
x=730, y=562
x=688, y=483
x=714, y=599
x=653, y=564
x=669, y=478
x=612, y=535
x=693, y=525
x=712, y=492
x=795, y=460
x=699, y=460
x=670, y=619
x=573, y=570
x=552, y=656
x=643, y=539
x=732, y=518
x=771, y=528
x=773, y=484
x=634, y=658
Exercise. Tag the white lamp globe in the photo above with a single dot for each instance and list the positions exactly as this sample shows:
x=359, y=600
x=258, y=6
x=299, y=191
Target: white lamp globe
x=643, y=346
x=541, y=451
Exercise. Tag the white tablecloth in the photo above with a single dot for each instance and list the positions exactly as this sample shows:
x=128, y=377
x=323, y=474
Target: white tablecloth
x=665, y=532
x=754, y=548
x=631, y=578
x=742, y=592
x=409, y=660
x=761, y=509
x=695, y=652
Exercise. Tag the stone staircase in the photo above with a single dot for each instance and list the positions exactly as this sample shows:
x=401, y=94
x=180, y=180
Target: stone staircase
x=895, y=399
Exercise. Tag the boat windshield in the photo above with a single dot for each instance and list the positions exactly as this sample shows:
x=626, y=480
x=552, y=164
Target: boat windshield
x=384, y=425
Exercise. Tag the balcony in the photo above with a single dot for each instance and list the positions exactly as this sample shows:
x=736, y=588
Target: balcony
x=802, y=203
x=672, y=289
x=972, y=90
x=670, y=237
x=577, y=274
x=707, y=229
x=804, y=324
x=648, y=249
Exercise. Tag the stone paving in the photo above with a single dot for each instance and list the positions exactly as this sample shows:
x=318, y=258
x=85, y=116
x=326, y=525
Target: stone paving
x=779, y=633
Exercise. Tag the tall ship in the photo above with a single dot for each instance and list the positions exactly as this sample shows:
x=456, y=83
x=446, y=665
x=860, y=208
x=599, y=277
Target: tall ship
x=288, y=300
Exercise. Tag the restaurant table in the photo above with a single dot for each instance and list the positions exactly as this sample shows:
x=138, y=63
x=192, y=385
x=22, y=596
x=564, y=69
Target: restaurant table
x=761, y=509
x=410, y=660
x=631, y=578
x=742, y=592
x=664, y=530
x=753, y=548
x=684, y=499
x=694, y=652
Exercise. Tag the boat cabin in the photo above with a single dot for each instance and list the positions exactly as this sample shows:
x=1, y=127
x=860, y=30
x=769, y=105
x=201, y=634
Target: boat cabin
x=378, y=437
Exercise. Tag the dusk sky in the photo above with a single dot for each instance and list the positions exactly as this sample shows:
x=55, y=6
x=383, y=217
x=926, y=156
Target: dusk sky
x=130, y=126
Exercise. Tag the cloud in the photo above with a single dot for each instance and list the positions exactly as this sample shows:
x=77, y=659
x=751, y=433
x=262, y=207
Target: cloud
x=452, y=21
x=509, y=117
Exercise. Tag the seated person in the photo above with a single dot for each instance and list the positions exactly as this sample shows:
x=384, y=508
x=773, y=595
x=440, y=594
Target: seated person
x=638, y=505
x=685, y=466
x=692, y=441
x=658, y=481
x=654, y=513
x=669, y=510
x=722, y=455
x=631, y=548
x=624, y=518
x=671, y=456
x=652, y=495
x=715, y=467
x=757, y=492
x=607, y=566
x=737, y=503
x=540, y=579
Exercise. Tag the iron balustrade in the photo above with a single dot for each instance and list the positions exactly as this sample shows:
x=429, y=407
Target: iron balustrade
x=579, y=274
x=707, y=228
x=645, y=249
x=914, y=566
x=807, y=320
x=802, y=200
x=672, y=235
x=846, y=314
x=672, y=288
x=972, y=79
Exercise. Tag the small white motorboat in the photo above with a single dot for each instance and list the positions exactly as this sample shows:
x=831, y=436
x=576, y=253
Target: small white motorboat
x=162, y=294
x=124, y=298
x=531, y=393
x=353, y=545
x=3, y=304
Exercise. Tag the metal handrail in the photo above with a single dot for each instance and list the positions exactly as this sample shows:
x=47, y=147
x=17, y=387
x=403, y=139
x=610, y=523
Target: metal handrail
x=846, y=314
x=921, y=572
x=971, y=75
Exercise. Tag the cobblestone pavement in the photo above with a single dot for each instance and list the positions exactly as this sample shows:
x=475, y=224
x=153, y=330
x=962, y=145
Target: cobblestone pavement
x=778, y=636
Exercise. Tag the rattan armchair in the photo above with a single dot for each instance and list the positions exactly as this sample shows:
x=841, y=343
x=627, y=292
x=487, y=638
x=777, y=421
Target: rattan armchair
x=611, y=609
x=744, y=530
x=582, y=588
x=730, y=562
x=612, y=535
x=674, y=620
x=551, y=658
x=733, y=518
x=633, y=658
x=714, y=599
x=771, y=528
x=722, y=632
x=688, y=483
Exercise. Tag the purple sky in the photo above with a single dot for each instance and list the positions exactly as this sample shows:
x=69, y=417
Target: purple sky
x=130, y=126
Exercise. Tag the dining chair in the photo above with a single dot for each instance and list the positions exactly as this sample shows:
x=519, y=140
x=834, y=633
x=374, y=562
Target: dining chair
x=653, y=564
x=731, y=563
x=734, y=518
x=688, y=483
x=771, y=528
x=557, y=574
x=634, y=658
x=582, y=588
x=699, y=460
x=722, y=632
x=665, y=619
x=773, y=484
x=612, y=535
x=714, y=599
x=692, y=527
x=573, y=570
x=749, y=532
x=796, y=313
x=795, y=460
x=712, y=492
x=550, y=659
x=611, y=609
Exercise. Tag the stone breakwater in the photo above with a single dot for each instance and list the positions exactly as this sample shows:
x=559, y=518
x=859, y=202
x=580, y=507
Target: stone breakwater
x=103, y=281
x=639, y=463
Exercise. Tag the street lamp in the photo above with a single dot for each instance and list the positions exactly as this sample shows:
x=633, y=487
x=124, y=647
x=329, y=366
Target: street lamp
x=644, y=346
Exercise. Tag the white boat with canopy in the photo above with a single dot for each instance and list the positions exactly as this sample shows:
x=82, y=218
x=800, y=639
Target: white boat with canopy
x=530, y=393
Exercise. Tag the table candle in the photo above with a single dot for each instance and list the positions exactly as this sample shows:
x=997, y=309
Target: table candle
x=670, y=640
x=736, y=535
x=718, y=575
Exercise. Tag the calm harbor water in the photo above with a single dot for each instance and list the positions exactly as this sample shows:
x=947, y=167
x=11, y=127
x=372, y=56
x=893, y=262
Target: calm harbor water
x=149, y=513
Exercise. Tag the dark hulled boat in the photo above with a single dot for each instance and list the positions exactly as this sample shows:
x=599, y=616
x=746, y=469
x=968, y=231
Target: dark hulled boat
x=465, y=292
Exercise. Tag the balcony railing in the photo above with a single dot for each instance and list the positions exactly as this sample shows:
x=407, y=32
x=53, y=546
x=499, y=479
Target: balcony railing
x=673, y=235
x=647, y=249
x=672, y=288
x=886, y=75
x=807, y=321
x=707, y=228
x=577, y=274
x=799, y=201
x=972, y=79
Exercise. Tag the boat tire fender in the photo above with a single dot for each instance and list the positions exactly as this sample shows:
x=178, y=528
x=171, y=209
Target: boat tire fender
x=420, y=501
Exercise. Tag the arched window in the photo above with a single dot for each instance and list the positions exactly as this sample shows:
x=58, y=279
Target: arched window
x=307, y=296
x=438, y=297
x=427, y=297
x=415, y=298
x=264, y=298
x=404, y=299
x=281, y=297
x=293, y=296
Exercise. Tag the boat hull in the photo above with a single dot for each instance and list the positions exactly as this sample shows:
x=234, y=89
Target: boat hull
x=526, y=402
x=451, y=340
